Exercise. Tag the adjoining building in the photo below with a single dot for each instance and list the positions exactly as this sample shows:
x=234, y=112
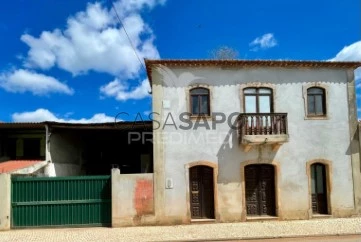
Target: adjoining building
x=70, y=149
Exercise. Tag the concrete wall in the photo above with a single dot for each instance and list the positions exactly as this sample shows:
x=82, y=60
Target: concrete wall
x=132, y=199
x=66, y=149
x=357, y=175
x=5, y=201
x=325, y=140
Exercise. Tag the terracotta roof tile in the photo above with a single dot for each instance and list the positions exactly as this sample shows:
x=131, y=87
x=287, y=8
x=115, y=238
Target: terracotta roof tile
x=13, y=165
x=248, y=64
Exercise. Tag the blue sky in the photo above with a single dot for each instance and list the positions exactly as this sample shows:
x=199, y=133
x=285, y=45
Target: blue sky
x=65, y=60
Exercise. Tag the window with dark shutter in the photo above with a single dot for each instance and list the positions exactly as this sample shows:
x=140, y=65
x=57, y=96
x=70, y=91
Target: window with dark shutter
x=316, y=101
x=199, y=99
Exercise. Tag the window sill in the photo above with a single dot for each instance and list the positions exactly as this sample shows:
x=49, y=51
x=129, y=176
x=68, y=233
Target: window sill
x=201, y=117
x=317, y=118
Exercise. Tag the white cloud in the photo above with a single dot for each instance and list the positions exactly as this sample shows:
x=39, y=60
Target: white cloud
x=129, y=6
x=94, y=40
x=21, y=80
x=350, y=52
x=147, y=112
x=266, y=41
x=121, y=91
x=41, y=114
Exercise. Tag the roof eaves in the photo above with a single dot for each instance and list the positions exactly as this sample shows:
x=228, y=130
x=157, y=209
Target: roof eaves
x=248, y=63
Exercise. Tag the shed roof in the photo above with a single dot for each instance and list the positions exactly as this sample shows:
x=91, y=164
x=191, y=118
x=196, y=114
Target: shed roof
x=110, y=125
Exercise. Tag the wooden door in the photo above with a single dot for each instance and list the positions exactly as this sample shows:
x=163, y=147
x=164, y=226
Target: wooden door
x=260, y=190
x=202, y=193
x=319, y=189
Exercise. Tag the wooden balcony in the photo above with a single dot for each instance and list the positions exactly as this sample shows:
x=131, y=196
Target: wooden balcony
x=262, y=128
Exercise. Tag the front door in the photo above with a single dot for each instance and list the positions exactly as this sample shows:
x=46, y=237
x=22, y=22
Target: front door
x=260, y=190
x=319, y=189
x=202, y=195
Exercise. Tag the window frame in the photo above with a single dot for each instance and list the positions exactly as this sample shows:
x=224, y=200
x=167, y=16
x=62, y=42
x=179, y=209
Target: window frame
x=326, y=114
x=323, y=102
x=257, y=95
x=199, y=114
x=328, y=185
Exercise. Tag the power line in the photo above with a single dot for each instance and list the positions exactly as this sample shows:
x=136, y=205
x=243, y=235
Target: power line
x=126, y=33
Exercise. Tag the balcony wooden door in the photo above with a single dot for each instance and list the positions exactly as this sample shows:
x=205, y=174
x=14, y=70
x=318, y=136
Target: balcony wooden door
x=260, y=190
x=202, y=194
x=319, y=189
x=257, y=100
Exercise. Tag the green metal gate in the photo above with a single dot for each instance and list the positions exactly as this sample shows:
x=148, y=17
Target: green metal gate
x=61, y=201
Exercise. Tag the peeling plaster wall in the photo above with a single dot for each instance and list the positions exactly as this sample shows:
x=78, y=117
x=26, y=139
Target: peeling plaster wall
x=132, y=199
x=327, y=139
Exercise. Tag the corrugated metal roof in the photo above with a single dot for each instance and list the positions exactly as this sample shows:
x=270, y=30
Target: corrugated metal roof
x=22, y=125
x=13, y=165
x=111, y=125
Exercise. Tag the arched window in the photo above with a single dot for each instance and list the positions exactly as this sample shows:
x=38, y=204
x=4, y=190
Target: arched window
x=199, y=99
x=258, y=100
x=316, y=101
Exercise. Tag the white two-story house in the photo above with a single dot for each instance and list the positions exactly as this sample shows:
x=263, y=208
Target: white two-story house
x=241, y=140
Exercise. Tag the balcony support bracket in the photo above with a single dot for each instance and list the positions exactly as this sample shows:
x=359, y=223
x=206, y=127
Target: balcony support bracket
x=247, y=148
x=276, y=146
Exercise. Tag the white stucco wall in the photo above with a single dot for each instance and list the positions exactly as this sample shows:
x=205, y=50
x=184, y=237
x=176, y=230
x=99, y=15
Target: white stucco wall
x=308, y=139
x=5, y=202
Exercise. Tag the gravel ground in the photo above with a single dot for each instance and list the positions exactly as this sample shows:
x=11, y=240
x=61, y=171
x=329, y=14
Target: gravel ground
x=206, y=232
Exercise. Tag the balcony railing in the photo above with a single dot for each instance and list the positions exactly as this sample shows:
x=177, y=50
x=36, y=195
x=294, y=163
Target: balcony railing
x=262, y=125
